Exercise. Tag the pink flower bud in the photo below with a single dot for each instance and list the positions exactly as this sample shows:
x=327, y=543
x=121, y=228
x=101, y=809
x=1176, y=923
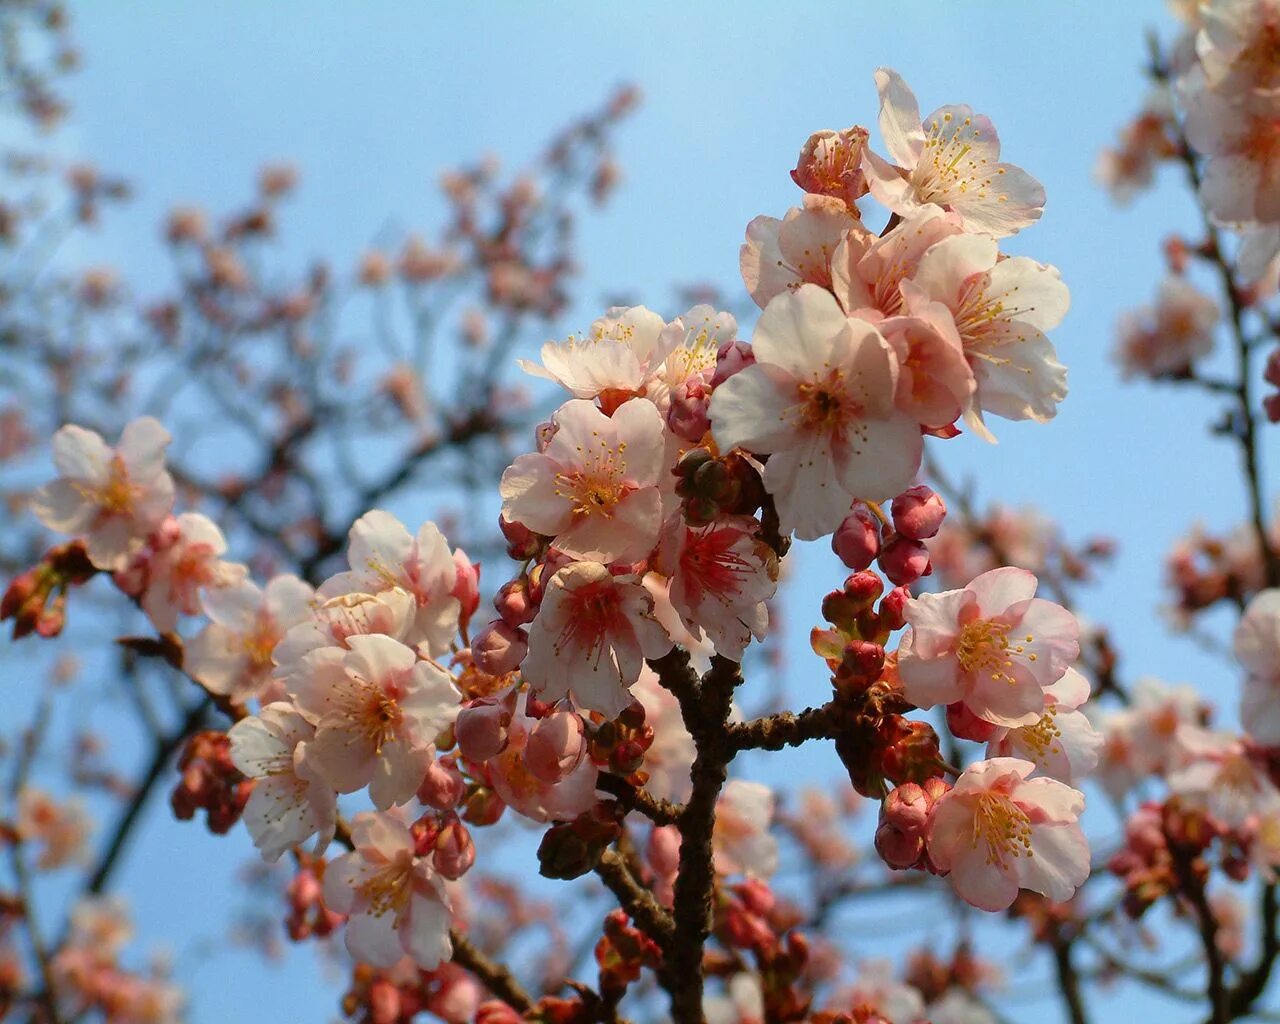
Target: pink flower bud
x=1271, y=372
x=893, y=609
x=918, y=512
x=555, y=746
x=384, y=1002
x=900, y=850
x=455, y=852
x=965, y=725
x=481, y=729
x=757, y=896
x=904, y=561
x=443, y=786
x=515, y=603
x=664, y=850
x=731, y=357
x=856, y=541
x=522, y=542
x=498, y=648
x=495, y=1011
x=466, y=585
x=907, y=808
x=687, y=415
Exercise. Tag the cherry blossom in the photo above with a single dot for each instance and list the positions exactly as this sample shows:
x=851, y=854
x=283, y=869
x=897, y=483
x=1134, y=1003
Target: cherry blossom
x=185, y=562
x=830, y=164
x=397, y=904
x=290, y=801
x=595, y=488
x=741, y=840
x=1241, y=181
x=1257, y=647
x=1237, y=45
x=672, y=752
x=384, y=556
x=591, y=638
x=232, y=656
x=1001, y=308
x=951, y=160
x=867, y=274
x=993, y=645
x=692, y=341
x=115, y=497
x=61, y=828
x=536, y=798
x=781, y=255
x=721, y=576
x=614, y=359
x=378, y=711
x=996, y=832
x=1171, y=336
x=1063, y=744
x=1218, y=775
x=333, y=622
x=819, y=400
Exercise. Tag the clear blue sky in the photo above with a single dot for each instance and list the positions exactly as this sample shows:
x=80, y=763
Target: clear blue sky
x=371, y=102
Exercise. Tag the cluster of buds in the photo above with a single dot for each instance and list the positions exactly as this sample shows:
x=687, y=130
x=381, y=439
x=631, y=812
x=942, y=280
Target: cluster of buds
x=619, y=746
x=621, y=953
x=210, y=781
x=36, y=600
x=712, y=486
x=904, y=818
x=308, y=916
x=854, y=645
x=866, y=536
x=401, y=994
x=446, y=840
x=1167, y=851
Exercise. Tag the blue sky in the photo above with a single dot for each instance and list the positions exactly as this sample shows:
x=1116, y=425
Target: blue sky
x=372, y=102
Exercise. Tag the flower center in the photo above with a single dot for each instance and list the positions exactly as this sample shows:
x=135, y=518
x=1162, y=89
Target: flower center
x=596, y=614
x=381, y=718
x=711, y=565
x=826, y=405
x=1041, y=739
x=116, y=495
x=389, y=889
x=1003, y=826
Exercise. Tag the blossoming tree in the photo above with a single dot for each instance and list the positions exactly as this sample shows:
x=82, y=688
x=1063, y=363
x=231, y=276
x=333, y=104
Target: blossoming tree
x=344, y=687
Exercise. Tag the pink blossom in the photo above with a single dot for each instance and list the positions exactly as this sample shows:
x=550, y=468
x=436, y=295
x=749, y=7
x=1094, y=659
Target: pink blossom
x=935, y=383
x=591, y=638
x=1001, y=309
x=741, y=840
x=61, y=827
x=232, y=656
x=1062, y=744
x=1171, y=336
x=378, y=711
x=1241, y=136
x=396, y=902
x=952, y=160
x=721, y=576
x=669, y=758
x=115, y=497
x=819, y=400
x=1257, y=648
x=996, y=832
x=290, y=801
x=781, y=255
x=1237, y=45
x=334, y=621
x=383, y=556
x=992, y=645
x=867, y=274
x=830, y=164
x=560, y=800
x=185, y=562
x=692, y=342
x=595, y=488
x=1218, y=775
x=615, y=357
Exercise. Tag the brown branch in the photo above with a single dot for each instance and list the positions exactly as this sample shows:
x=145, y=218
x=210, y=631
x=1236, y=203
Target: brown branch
x=636, y=900
x=637, y=798
x=785, y=729
x=497, y=977
x=705, y=706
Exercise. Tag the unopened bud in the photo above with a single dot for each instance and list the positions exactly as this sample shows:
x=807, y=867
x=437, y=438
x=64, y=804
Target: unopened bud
x=918, y=512
x=965, y=725
x=455, y=851
x=498, y=648
x=904, y=561
x=856, y=541
x=555, y=746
